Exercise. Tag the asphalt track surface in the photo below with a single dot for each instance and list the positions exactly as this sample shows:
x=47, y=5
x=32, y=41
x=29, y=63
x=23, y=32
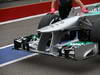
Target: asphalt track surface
x=8, y=32
x=42, y=65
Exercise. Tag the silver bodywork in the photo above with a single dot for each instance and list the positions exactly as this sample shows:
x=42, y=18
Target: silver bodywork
x=66, y=24
x=76, y=22
x=69, y=23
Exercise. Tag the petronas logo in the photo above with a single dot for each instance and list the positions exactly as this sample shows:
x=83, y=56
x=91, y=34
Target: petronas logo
x=95, y=8
x=79, y=43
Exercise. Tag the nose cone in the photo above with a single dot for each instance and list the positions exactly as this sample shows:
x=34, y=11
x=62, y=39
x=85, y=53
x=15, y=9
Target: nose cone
x=61, y=25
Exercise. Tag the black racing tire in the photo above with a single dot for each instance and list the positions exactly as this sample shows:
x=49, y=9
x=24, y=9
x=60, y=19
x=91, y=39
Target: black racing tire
x=46, y=20
x=45, y=37
x=98, y=48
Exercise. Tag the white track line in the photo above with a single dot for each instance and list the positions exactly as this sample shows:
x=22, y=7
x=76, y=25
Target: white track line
x=6, y=46
x=19, y=59
x=10, y=62
x=29, y=17
x=21, y=19
x=25, y=18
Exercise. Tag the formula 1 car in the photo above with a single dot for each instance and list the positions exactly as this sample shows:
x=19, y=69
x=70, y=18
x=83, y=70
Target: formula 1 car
x=76, y=37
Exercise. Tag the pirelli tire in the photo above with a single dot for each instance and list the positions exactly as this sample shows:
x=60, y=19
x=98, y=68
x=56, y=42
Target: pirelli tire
x=45, y=37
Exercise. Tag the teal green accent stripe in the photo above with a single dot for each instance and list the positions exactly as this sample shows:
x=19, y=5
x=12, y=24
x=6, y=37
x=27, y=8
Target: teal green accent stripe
x=79, y=43
x=92, y=13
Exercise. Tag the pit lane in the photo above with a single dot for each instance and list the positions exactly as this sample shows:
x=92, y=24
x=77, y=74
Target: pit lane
x=40, y=64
